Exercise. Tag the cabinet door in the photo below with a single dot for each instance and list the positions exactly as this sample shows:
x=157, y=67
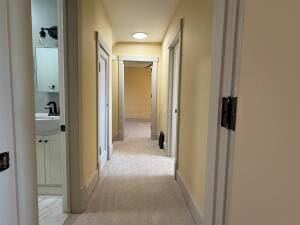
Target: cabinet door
x=47, y=69
x=40, y=156
x=53, y=160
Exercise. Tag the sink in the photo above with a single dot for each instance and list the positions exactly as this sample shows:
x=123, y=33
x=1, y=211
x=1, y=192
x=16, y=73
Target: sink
x=46, y=125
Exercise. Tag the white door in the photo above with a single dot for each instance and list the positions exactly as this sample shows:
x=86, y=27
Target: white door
x=8, y=205
x=175, y=100
x=102, y=107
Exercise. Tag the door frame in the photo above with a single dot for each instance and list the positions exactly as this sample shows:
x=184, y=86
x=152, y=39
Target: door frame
x=63, y=103
x=227, y=38
x=154, y=60
x=102, y=46
x=176, y=39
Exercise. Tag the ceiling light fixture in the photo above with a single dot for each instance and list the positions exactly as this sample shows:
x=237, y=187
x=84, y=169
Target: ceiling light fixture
x=139, y=35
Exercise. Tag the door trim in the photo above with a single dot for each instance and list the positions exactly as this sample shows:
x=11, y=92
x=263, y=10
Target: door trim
x=101, y=45
x=227, y=35
x=77, y=205
x=63, y=104
x=154, y=75
x=176, y=39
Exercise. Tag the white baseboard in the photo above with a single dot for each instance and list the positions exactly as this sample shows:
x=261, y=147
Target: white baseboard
x=87, y=190
x=194, y=209
x=165, y=146
x=138, y=119
x=55, y=190
x=111, y=149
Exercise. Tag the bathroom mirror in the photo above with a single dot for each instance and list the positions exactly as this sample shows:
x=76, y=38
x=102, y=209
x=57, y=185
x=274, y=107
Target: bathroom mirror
x=46, y=70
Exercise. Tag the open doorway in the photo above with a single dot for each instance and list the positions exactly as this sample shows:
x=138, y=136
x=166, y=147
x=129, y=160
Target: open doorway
x=150, y=63
x=50, y=111
x=137, y=99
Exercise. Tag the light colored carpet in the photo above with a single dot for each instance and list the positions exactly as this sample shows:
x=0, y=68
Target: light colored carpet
x=137, y=188
x=137, y=129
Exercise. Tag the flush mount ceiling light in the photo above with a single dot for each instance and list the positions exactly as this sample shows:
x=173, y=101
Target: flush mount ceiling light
x=139, y=35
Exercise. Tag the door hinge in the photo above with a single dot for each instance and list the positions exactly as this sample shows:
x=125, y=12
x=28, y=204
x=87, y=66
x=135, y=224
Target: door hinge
x=99, y=67
x=229, y=106
x=97, y=165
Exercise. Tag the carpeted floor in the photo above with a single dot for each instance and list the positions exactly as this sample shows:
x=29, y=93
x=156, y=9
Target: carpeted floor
x=137, y=188
x=137, y=129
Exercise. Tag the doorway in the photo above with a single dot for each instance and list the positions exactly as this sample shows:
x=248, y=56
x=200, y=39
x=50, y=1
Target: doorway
x=137, y=99
x=103, y=149
x=144, y=62
x=51, y=121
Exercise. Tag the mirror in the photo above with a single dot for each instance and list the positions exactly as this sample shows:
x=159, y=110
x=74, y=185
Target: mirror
x=46, y=70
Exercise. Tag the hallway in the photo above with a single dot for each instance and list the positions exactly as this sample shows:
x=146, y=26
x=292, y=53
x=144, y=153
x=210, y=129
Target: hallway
x=137, y=188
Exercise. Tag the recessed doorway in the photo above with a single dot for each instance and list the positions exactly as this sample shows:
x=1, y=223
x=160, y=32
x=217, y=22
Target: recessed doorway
x=150, y=64
x=137, y=99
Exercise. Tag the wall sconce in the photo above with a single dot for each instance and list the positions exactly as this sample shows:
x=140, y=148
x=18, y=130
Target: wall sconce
x=52, y=32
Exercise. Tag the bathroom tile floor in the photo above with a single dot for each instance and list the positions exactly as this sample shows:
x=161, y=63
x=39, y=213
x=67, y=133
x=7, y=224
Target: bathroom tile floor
x=50, y=210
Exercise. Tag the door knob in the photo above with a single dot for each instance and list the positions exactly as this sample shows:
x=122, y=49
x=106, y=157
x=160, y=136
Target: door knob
x=46, y=141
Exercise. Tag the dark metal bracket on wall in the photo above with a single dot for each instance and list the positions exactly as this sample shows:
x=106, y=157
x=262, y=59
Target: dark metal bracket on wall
x=4, y=161
x=229, y=107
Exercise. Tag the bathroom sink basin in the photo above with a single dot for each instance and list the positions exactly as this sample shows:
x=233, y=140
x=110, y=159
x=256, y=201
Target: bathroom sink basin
x=46, y=125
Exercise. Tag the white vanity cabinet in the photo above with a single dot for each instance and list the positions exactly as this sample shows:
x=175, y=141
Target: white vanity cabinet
x=49, y=164
x=40, y=157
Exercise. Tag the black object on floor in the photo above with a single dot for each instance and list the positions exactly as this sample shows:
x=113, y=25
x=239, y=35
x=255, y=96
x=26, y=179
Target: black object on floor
x=161, y=140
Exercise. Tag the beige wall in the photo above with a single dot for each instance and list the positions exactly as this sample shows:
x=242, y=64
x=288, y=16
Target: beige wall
x=194, y=99
x=265, y=179
x=91, y=18
x=137, y=82
x=136, y=49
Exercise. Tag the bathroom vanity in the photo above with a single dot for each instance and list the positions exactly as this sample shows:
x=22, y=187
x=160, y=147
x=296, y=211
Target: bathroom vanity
x=49, y=154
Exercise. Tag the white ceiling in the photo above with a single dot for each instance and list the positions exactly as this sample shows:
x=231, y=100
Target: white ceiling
x=149, y=16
